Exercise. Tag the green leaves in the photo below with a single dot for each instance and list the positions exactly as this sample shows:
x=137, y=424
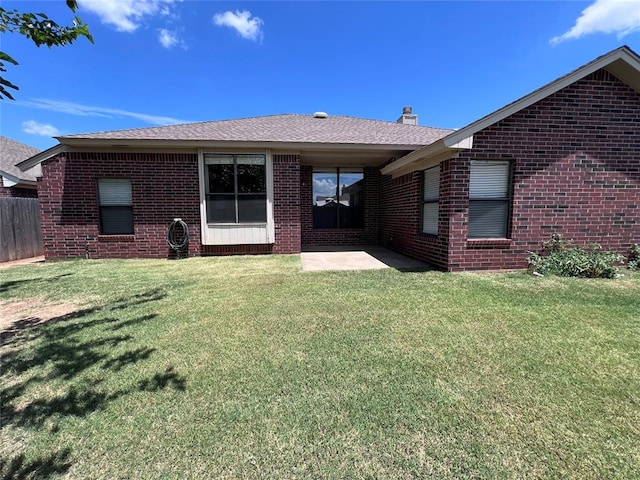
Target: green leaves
x=4, y=82
x=566, y=260
x=39, y=28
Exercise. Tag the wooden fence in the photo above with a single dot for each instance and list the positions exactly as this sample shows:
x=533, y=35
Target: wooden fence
x=20, y=235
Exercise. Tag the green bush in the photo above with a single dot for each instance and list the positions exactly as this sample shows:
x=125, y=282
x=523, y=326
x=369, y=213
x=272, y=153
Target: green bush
x=560, y=257
x=634, y=257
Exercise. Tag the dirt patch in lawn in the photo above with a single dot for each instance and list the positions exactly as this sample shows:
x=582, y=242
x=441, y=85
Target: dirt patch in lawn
x=32, y=311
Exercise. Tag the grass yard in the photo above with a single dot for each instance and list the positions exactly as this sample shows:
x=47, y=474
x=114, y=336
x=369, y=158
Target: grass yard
x=250, y=368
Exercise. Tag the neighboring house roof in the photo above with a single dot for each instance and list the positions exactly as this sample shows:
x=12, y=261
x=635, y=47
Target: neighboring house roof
x=288, y=128
x=12, y=153
x=623, y=62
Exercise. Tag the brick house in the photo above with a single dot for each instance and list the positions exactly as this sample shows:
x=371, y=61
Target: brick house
x=13, y=181
x=565, y=159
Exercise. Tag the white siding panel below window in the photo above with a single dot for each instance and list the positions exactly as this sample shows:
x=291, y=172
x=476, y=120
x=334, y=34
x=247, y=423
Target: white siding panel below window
x=237, y=234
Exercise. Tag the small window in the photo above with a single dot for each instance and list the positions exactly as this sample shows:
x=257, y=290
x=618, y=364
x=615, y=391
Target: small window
x=430, y=197
x=489, y=199
x=236, y=188
x=116, y=206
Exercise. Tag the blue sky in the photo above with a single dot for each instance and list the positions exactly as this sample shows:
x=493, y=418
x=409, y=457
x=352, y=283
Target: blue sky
x=157, y=62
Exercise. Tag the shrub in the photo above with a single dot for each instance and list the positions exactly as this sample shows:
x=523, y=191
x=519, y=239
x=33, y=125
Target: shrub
x=634, y=257
x=561, y=257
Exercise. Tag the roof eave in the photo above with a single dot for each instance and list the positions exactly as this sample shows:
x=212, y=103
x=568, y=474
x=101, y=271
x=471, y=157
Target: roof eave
x=40, y=157
x=622, y=62
x=78, y=144
x=9, y=180
x=193, y=143
x=426, y=157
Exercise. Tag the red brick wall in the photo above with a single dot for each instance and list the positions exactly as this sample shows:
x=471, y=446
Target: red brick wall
x=575, y=171
x=286, y=203
x=164, y=186
x=341, y=236
x=401, y=211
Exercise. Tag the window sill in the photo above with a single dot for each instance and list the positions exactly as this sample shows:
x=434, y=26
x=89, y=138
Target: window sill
x=428, y=236
x=116, y=238
x=489, y=242
x=246, y=224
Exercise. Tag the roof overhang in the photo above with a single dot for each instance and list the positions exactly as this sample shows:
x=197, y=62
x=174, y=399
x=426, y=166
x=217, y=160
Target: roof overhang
x=623, y=62
x=40, y=157
x=378, y=153
x=9, y=181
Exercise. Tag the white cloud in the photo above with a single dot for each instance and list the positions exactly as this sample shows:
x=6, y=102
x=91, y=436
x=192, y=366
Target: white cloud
x=44, y=129
x=248, y=27
x=166, y=38
x=126, y=15
x=169, y=39
x=605, y=16
x=324, y=187
x=78, y=109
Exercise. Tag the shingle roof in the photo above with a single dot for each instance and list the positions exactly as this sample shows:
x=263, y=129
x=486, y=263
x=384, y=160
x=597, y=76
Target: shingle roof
x=11, y=153
x=288, y=128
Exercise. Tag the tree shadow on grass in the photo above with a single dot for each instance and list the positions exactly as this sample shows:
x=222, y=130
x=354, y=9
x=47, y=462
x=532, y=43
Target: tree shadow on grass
x=36, y=353
x=11, y=284
x=49, y=465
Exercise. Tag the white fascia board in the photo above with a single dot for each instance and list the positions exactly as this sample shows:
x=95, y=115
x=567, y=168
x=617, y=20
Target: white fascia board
x=613, y=59
x=41, y=157
x=9, y=180
x=464, y=144
x=424, y=163
x=403, y=162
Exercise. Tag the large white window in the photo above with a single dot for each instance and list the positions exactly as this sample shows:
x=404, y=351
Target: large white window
x=116, y=206
x=489, y=198
x=236, y=188
x=430, y=198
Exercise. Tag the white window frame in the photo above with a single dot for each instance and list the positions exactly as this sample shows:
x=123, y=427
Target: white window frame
x=430, y=197
x=236, y=233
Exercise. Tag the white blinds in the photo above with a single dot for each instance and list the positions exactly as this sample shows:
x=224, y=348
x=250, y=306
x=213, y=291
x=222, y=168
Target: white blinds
x=489, y=199
x=432, y=183
x=431, y=193
x=489, y=179
x=114, y=192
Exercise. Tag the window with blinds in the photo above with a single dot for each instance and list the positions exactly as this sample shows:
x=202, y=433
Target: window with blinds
x=236, y=188
x=489, y=198
x=116, y=206
x=430, y=197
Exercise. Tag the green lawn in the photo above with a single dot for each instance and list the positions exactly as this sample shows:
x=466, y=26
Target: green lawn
x=250, y=368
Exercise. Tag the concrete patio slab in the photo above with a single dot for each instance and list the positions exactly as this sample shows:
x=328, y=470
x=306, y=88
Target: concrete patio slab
x=360, y=257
